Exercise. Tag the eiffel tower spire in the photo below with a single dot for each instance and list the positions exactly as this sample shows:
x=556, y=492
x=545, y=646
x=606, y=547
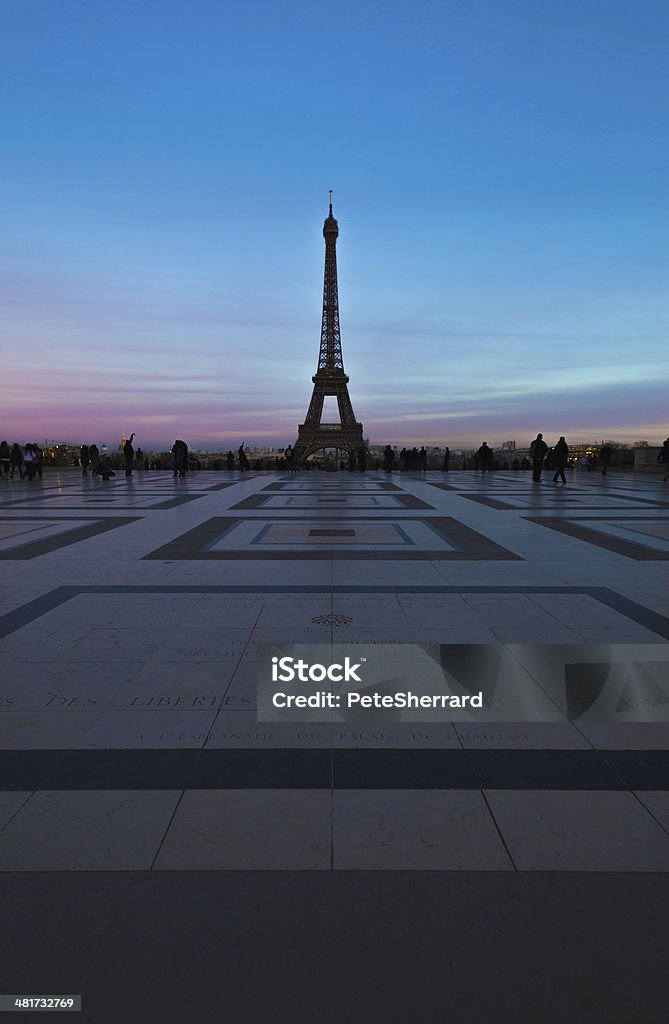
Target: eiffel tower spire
x=330, y=378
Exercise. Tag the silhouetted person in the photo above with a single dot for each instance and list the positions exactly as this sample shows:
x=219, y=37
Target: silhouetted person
x=29, y=461
x=538, y=450
x=605, y=454
x=105, y=467
x=560, y=460
x=5, y=459
x=289, y=456
x=447, y=459
x=241, y=455
x=139, y=459
x=230, y=460
x=662, y=458
x=129, y=455
x=16, y=460
x=485, y=457
x=351, y=460
x=388, y=459
x=84, y=459
x=422, y=459
x=180, y=458
x=95, y=459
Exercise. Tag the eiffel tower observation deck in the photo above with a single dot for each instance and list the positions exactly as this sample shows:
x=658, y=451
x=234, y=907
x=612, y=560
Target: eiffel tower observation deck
x=330, y=378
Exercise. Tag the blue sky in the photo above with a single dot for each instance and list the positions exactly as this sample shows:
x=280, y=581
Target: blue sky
x=500, y=184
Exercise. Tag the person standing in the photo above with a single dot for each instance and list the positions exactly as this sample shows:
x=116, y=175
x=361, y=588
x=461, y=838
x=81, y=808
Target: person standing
x=16, y=460
x=605, y=454
x=5, y=459
x=29, y=461
x=560, y=460
x=289, y=456
x=663, y=459
x=447, y=459
x=95, y=459
x=129, y=455
x=538, y=450
x=388, y=459
x=484, y=456
x=84, y=459
x=180, y=453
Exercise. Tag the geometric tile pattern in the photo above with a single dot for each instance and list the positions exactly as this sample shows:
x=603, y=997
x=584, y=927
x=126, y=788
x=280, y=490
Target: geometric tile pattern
x=128, y=734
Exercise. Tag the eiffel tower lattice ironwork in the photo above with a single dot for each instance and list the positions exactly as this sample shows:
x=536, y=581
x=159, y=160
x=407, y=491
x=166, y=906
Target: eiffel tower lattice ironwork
x=330, y=378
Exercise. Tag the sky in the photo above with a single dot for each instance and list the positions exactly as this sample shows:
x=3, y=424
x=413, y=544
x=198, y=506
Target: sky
x=500, y=181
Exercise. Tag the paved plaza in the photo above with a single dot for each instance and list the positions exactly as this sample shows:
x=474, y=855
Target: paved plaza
x=171, y=858
x=130, y=613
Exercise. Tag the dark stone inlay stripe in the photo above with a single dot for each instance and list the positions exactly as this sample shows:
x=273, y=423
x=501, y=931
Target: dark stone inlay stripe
x=570, y=770
x=332, y=533
x=122, y=769
x=183, y=499
x=30, y=611
x=627, y=548
x=32, y=549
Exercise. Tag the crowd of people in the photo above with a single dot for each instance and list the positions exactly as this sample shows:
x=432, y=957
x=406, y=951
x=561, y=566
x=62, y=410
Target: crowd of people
x=27, y=461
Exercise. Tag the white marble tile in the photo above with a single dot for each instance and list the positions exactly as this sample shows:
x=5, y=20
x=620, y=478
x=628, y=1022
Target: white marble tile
x=626, y=735
x=549, y=830
x=11, y=802
x=87, y=831
x=148, y=728
x=256, y=830
x=657, y=802
x=410, y=830
x=240, y=729
x=557, y=735
x=44, y=730
x=396, y=735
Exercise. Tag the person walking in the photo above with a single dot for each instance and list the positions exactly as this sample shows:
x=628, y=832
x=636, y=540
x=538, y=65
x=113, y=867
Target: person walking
x=663, y=459
x=447, y=459
x=84, y=459
x=129, y=455
x=484, y=457
x=560, y=460
x=538, y=450
x=605, y=454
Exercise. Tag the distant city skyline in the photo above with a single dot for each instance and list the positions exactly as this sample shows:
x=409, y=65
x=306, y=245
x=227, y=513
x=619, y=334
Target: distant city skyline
x=499, y=179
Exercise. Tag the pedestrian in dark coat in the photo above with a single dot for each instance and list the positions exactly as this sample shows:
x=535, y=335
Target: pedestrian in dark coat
x=129, y=455
x=560, y=459
x=538, y=450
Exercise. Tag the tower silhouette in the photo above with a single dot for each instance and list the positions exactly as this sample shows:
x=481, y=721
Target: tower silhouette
x=330, y=378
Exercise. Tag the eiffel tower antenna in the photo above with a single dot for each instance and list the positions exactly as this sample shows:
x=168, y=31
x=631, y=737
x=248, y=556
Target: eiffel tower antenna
x=330, y=378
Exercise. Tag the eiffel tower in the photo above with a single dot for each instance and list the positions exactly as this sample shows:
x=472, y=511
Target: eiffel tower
x=329, y=378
